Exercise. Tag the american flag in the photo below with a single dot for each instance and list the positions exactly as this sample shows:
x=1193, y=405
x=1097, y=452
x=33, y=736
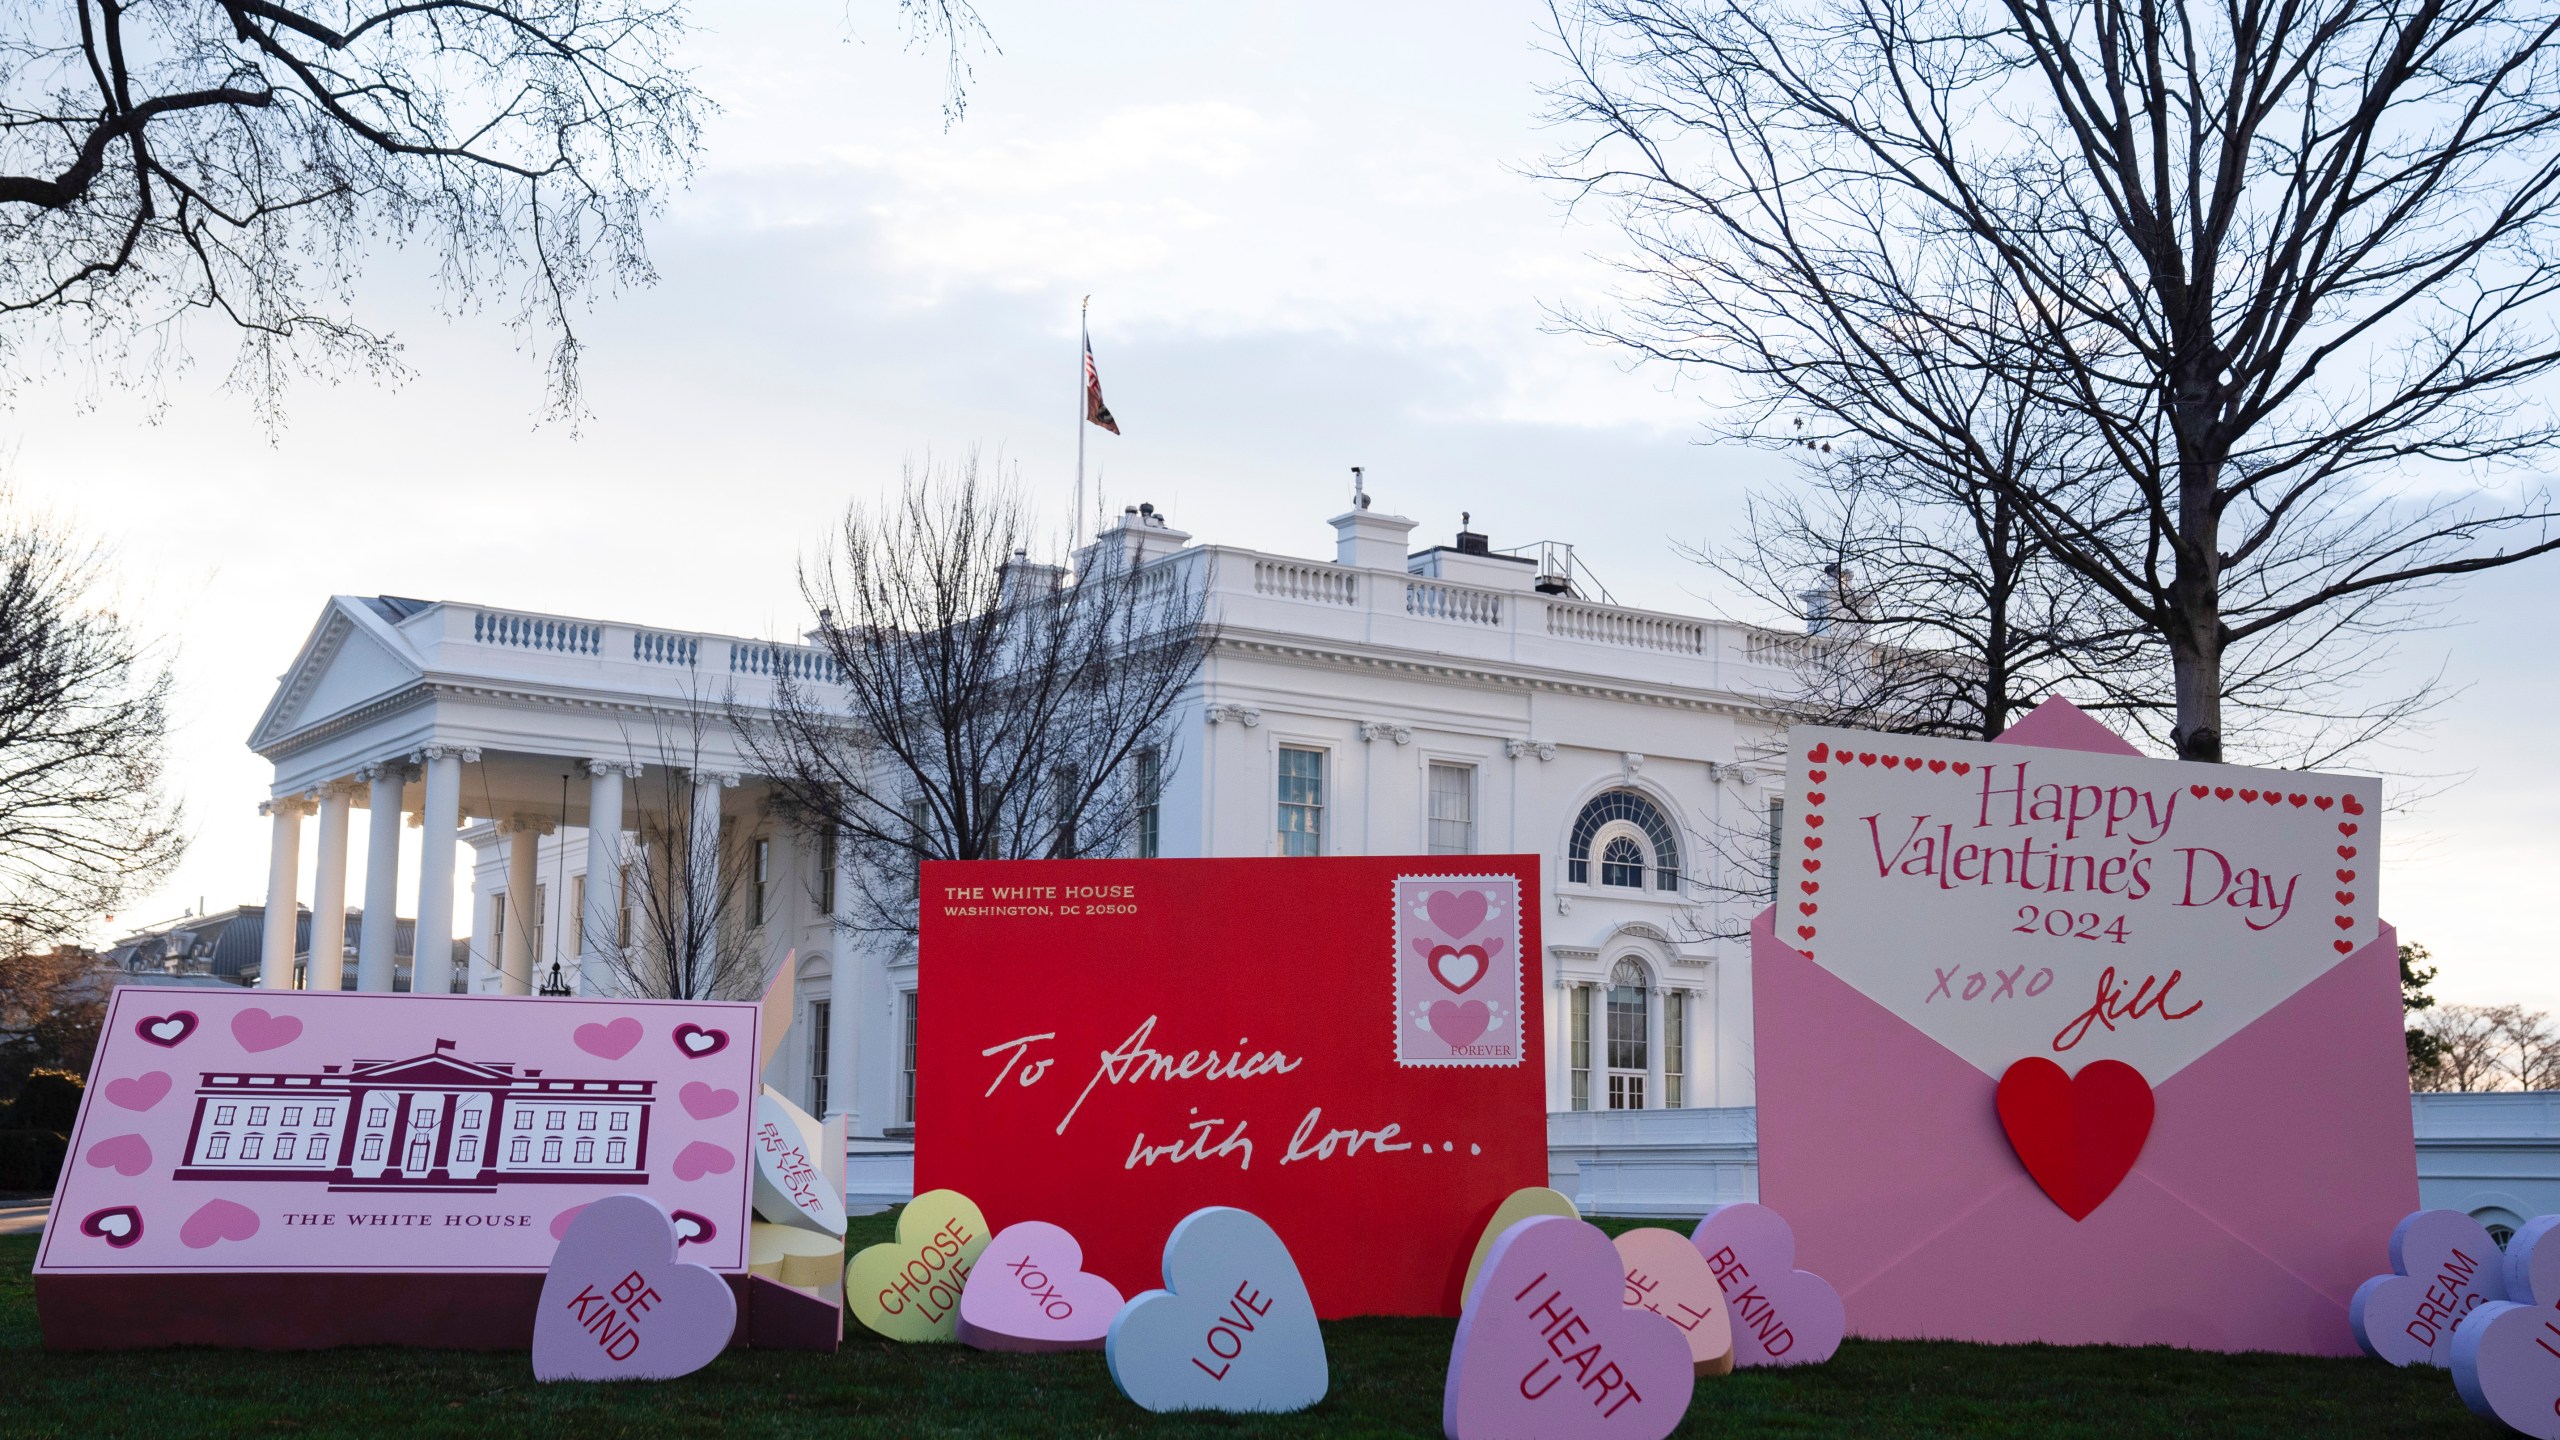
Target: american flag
x=1095, y=412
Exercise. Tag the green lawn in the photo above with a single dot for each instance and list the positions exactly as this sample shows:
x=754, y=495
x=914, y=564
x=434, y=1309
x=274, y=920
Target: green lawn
x=1386, y=1381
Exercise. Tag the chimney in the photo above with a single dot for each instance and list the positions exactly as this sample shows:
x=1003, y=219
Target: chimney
x=1020, y=578
x=1470, y=542
x=1367, y=540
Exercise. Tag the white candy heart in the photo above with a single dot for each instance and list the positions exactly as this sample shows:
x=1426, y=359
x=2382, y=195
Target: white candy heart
x=1233, y=1330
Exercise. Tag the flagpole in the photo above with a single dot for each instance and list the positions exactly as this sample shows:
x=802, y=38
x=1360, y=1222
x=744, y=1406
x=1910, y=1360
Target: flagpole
x=1084, y=347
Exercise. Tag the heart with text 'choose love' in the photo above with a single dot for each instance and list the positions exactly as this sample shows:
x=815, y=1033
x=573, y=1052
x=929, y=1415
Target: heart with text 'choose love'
x=1029, y=1292
x=1780, y=1315
x=1233, y=1329
x=1667, y=1275
x=618, y=1305
x=1545, y=1347
x=909, y=1288
x=2506, y=1365
x=2078, y=1135
x=2443, y=1267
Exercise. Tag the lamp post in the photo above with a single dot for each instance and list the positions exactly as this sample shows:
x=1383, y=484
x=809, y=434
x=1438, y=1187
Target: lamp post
x=556, y=985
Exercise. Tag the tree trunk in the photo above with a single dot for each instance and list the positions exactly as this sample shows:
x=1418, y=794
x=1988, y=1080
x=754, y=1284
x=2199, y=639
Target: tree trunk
x=2194, y=628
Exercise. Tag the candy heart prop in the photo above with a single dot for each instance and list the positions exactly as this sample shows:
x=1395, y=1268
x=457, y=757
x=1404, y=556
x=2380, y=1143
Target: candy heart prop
x=2531, y=1267
x=1667, y=1275
x=1029, y=1292
x=1517, y=1206
x=909, y=1289
x=2443, y=1266
x=2506, y=1365
x=618, y=1305
x=1546, y=1349
x=1233, y=1329
x=788, y=1188
x=1781, y=1315
x=2078, y=1135
x=795, y=1256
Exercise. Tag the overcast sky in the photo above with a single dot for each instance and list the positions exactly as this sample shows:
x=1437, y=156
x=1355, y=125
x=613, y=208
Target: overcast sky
x=1309, y=246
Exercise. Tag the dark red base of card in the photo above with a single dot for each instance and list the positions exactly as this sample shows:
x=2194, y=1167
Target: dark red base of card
x=319, y=1312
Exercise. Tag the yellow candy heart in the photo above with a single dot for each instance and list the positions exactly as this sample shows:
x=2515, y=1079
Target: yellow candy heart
x=1517, y=1206
x=793, y=1256
x=909, y=1289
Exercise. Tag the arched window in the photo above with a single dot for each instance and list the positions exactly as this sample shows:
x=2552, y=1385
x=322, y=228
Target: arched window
x=1629, y=1033
x=1634, y=836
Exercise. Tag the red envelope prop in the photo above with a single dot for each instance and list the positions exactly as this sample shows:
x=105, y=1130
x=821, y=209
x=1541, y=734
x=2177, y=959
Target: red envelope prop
x=1347, y=1047
x=2274, y=1167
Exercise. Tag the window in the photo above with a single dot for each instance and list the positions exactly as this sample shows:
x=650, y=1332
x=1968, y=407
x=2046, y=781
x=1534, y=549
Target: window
x=284, y=1147
x=498, y=926
x=1453, y=809
x=586, y=1119
x=551, y=1150
x=759, y=881
x=555, y=1120
x=257, y=1114
x=907, y=1084
x=292, y=1115
x=622, y=910
x=621, y=1119
x=1777, y=837
x=821, y=1014
x=466, y=1150
x=1622, y=863
x=471, y=1118
x=373, y=1147
x=222, y=1114
x=325, y=1115
x=1675, y=1049
x=1301, y=801
x=1578, y=1047
x=519, y=1151
x=585, y=1154
x=541, y=921
x=524, y=1119
x=315, y=1147
x=614, y=1151
x=217, y=1148
x=577, y=915
x=249, y=1147
x=1627, y=1037
x=378, y=1116
x=1150, y=791
x=1627, y=815
x=827, y=873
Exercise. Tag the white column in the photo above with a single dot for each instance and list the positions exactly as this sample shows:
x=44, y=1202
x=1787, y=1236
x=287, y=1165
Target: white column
x=702, y=864
x=606, y=849
x=329, y=891
x=378, y=938
x=1600, y=1046
x=1559, y=1032
x=844, y=1005
x=1653, y=1000
x=431, y=969
x=284, y=864
x=524, y=851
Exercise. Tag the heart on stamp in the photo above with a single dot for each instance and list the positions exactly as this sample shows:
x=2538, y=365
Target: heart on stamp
x=618, y=1305
x=1030, y=1293
x=2078, y=1135
x=1459, y=1022
x=1456, y=912
x=1458, y=968
x=1667, y=1275
x=118, y=1225
x=138, y=1092
x=216, y=1221
x=694, y=1042
x=1625, y=1375
x=610, y=1039
x=168, y=1030
x=1781, y=1315
x=2504, y=1367
x=908, y=1288
x=124, y=1154
x=257, y=1030
x=2443, y=1267
x=1234, y=1328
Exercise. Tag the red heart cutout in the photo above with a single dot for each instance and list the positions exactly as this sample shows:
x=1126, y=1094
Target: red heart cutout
x=1892, y=760
x=1813, y=864
x=1866, y=757
x=2350, y=804
x=2199, y=791
x=1813, y=842
x=1910, y=762
x=1806, y=907
x=1813, y=797
x=2221, y=792
x=2346, y=922
x=1937, y=767
x=1805, y=930
x=2322, y=801
x=2347, y=829
x=2078, y=1135
x=1810, y=887
x=2272, y=798
x=1818, y=754
x=2343, y=946
x=2247, y=795
x=1817, y=776
x=1963, y=767
x=2346, y=876
x=2346, y=897
x=1813, y=822
x=1440, y=954
x=2346, y=852
x=2297, y=801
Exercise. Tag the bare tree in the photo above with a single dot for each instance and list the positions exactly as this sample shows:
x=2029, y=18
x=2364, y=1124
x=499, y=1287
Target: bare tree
x=51, y=1007
x=682, y=883
x=161, y=159
x=2278, y=280
x=2491, y=1047
x=84, y=726
x=979, y=704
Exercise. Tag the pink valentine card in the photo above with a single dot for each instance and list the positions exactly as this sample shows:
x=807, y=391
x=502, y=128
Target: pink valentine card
x=2059, y=1043
x=259, y=1131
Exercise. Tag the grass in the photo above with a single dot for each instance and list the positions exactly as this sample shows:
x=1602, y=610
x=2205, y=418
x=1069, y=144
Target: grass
x=1387, y=1376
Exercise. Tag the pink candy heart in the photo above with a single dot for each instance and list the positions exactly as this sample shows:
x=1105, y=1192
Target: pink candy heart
x=257, y=1030
x=216, y=1221
x=1781, y=1315
x=618, y=1305
x=1545, y=1347
x=611, y=1039
x=2443, y=1266
x=1029, y=1292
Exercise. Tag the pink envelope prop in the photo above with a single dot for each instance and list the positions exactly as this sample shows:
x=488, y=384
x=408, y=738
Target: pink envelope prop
x=2277, y=1160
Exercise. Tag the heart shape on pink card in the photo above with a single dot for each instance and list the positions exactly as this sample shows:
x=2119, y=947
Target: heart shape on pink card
x=257, y=1030
x=693, y=1041
x=2443, y=1267
x=138, y=1092
x=1781, y=1315
x=124, y=1154
x=1029, y=1292
x=1458, y=968
x=1546, y=1348
x=704, y=1102
x=702, y=1158
x=118, y=1225
x=618, y=1305
x=610, y=1040
x=1456, y=912
x=216, y=1221
x=1459, y=1022
x=166, y=1031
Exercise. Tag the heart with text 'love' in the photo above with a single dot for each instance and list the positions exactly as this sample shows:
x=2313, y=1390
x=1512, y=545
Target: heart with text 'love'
x=1234, y=1328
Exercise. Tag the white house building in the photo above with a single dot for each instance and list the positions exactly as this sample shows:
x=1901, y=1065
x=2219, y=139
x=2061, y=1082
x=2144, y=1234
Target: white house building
x=1394, y=699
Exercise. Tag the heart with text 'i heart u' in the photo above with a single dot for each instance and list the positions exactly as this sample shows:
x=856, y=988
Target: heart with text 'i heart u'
x=1029, y=1292
x=1234, y=1328
x=2078, y=1135
x=1780, y=1315
x=618, y=1305
x=909, y=1288
x=2506, y=1365
x=1545, y=1347
x=1667, y=1275
x=2443, y=1267
x=1517, y=1206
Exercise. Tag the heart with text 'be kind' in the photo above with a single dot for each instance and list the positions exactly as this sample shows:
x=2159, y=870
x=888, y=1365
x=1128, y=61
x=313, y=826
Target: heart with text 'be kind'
x=2078, y=1135
x=618, y=1305
x=2443, y=1267
x=1030, y=1293
x=1545, y=1347
x=1780, y=1315
x=1234, y=1328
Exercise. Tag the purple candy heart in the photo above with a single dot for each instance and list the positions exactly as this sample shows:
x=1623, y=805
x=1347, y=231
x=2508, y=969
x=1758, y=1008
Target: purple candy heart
x=1781, y=1315
x=1547, y=1346
x=618, y=1305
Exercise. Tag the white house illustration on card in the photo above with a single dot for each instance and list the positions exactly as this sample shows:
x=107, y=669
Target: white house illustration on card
x=433, y=1122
